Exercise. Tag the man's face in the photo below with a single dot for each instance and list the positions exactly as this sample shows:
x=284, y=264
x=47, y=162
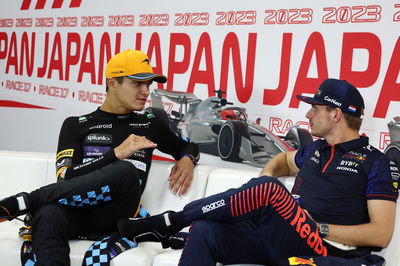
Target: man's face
x=321, y=121
x=131, y=95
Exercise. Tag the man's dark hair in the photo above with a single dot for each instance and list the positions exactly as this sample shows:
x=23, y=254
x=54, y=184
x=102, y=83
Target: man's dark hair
x=352, y=122
x=119, y=80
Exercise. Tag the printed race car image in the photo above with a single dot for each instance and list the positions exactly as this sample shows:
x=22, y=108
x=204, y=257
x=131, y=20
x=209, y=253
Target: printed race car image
x=393, y=149
x=223, y=130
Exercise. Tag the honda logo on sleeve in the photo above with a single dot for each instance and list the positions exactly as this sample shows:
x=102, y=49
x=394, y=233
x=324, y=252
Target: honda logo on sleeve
x=56, y=4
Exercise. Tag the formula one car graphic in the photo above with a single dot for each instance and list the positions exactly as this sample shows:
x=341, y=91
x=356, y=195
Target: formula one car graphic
x=393, y=149
x=224, y=130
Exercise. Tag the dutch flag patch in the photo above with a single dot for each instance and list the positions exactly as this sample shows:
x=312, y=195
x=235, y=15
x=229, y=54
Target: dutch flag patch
x=352, y=108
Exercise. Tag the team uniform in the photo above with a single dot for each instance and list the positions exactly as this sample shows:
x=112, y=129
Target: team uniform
x=260, y=222
x=94, y=188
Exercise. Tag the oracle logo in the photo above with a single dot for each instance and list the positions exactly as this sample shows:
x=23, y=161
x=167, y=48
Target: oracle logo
x=56, y=4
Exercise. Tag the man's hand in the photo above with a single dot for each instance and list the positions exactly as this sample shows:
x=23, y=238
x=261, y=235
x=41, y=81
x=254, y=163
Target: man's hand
x=181, y=176
x=132, y=144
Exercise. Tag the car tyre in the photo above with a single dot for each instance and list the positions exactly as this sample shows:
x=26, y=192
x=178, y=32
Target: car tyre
x=229, y=140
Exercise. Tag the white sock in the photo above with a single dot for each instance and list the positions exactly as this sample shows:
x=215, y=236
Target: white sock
x=21, y=203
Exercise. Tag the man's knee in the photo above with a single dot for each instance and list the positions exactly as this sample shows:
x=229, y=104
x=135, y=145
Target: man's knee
x=265, y=180
x=205, y=229
x=125, y=171
x=52, y=213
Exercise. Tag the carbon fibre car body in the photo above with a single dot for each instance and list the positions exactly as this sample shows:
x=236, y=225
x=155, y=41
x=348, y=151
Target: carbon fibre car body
x=224, y=130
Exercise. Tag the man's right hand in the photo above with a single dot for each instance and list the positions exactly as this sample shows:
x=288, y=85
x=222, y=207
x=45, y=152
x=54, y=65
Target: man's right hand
x=132, y=144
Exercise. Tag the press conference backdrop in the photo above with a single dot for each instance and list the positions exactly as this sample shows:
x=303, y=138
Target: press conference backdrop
x=262, y=53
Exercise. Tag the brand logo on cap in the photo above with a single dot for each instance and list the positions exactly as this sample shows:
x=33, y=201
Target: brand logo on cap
x=147, y=61
x=326, y=98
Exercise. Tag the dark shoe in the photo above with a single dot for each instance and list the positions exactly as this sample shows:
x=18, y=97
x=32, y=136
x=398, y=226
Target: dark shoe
x=9, y=207
x=157, y=228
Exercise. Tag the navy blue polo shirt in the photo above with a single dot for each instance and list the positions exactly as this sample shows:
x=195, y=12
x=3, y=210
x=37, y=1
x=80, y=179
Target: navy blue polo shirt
x=335, y=181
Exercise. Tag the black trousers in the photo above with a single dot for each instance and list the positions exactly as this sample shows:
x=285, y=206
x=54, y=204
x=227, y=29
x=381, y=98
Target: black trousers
x=90, y=204
x=258, y=223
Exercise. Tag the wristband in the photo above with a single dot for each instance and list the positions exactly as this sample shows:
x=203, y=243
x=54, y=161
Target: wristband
x=191, y=157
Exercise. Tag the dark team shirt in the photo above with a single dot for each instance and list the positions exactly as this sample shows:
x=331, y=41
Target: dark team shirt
x=87, y=143
x=335, y=181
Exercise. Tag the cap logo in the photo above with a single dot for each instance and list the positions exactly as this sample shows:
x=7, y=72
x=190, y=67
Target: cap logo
x=147, y=61
x=333, y=101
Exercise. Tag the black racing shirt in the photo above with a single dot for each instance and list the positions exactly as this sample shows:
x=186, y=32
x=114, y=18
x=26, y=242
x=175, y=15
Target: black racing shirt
x=87, y=142
x=335, y=181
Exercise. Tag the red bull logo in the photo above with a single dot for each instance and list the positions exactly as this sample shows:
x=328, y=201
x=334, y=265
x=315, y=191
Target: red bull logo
x=56, y=4
x=300, y=261
x=314, y=241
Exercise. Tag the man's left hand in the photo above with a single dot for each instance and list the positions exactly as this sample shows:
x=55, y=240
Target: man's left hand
x=181, y=176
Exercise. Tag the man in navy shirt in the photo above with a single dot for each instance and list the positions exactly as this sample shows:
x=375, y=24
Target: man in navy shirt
x=346, y=192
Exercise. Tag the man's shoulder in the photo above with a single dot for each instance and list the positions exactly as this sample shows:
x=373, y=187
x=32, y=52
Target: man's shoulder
x=79, y=119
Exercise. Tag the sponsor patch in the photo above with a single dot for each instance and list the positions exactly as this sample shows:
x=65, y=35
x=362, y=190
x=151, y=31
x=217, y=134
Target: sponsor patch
x=138, y=164
x=99, y=138
x=65, y=153
x=356, y=155
x=87, y=160
x=140, y=125
x=140, y=154
x=123, y=116
x=214, y=205
x=150, y=115
x=94, y=151
x=348, y=169
x=61, y=172
x=314, y=160
x=82, y=119
x=64, y=162
x=104, y=126
x=301, y=261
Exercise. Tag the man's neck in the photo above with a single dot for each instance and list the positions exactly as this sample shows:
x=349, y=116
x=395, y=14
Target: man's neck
x=342, y=136
x=109, y=107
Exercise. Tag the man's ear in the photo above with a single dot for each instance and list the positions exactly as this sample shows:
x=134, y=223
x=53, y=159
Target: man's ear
x=337, y=114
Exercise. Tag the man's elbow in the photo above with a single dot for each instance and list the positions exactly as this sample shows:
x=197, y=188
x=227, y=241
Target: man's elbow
x=384, y=240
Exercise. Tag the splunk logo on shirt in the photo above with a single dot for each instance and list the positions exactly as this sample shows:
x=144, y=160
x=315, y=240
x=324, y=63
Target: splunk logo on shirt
x=99, y=138
x=214, y=205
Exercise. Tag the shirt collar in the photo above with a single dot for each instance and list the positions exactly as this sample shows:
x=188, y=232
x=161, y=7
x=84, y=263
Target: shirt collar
x=348, y=145
x=113, y=116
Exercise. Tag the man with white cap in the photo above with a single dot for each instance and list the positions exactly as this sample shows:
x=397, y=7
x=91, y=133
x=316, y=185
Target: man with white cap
x=103, y=160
